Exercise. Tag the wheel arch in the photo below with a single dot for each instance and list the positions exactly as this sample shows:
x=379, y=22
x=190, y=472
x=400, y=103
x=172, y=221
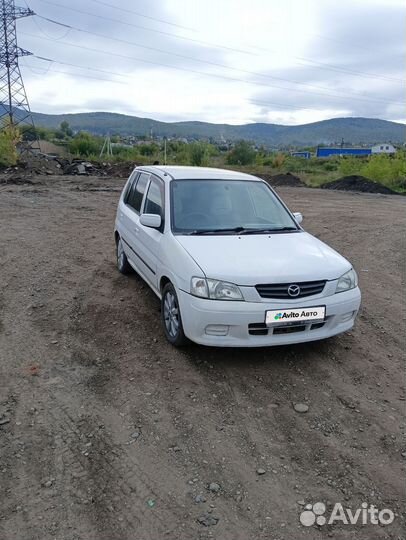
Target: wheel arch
x=164, y=281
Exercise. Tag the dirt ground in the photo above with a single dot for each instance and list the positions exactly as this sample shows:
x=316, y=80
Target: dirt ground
x=109, y=433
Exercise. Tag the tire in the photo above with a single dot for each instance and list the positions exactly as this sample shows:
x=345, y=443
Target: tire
x=122, y=262
x=171, y=317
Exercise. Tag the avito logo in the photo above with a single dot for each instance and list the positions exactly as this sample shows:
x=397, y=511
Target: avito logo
x=314, y=514
x=295, y=315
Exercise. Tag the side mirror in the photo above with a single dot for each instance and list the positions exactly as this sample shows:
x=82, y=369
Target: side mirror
x=298, y=216
x=151, y=220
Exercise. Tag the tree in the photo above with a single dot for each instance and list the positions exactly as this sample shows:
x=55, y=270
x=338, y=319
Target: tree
x=65, y=129
x=242, y=154
x=148, y=149
x=198, y=154
x=85, y=144
x=9, y=138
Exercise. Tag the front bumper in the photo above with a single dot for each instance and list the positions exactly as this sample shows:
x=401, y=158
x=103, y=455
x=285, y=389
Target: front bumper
x=241, y=324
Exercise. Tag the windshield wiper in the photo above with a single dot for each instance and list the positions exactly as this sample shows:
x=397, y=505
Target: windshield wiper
x=268, y=230
x=217, y=231
x=239, y=230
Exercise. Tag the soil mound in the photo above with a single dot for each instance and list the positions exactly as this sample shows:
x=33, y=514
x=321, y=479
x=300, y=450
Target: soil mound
x=286, y=179
x=358, y=183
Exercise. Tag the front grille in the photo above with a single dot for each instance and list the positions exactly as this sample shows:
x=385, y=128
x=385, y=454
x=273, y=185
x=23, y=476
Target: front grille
x=261, y=329
x=289, y=329
x=280, y=290
x=258, y=329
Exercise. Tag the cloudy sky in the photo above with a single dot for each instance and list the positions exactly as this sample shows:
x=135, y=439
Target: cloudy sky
x=233, y=61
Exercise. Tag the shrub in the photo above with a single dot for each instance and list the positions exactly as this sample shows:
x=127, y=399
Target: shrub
x=242, y=154
x=149, y=149
x=279, y=160
x=330, y=165
x=388, y=170
x=9, y=138
x=349, y=165
x=197, y=154
x=85, y=144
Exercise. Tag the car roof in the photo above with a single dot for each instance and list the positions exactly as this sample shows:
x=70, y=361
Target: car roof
x=175, y=172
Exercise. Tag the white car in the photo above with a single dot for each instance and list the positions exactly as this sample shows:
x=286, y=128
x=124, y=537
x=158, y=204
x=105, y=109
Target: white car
x=230, y=263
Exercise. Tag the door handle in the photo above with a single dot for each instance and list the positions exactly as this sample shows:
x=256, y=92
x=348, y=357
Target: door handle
x=136, y=229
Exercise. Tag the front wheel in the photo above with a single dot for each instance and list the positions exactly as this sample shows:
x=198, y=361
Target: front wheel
x=122, y=262
x=171, y=317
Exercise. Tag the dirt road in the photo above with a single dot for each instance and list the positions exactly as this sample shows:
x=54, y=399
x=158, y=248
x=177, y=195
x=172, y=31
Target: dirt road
x=109, y=433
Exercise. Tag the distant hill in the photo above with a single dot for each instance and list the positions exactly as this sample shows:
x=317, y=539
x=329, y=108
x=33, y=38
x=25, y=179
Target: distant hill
x=352, y=130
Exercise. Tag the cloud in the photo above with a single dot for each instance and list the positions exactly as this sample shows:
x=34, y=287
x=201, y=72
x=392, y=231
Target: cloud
x=240, y=62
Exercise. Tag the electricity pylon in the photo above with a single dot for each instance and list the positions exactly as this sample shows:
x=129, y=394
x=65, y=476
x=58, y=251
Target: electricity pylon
x=14, y=106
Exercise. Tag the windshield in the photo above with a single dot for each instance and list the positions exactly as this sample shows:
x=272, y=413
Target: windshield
x=227, y=207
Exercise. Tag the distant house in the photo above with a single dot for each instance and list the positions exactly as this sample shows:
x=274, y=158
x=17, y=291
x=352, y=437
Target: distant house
x=327, y=152
x=121, y=145
x=305, y=155
x=383, y=149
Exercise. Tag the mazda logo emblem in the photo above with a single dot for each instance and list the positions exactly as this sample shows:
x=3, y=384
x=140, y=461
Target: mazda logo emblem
x=293, y=290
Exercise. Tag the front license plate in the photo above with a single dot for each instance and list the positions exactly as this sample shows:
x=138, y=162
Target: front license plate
x=289, y=316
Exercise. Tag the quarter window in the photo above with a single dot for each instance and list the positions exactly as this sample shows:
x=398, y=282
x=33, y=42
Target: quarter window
x=132, y=181
x=154, y=202
x=137, y=192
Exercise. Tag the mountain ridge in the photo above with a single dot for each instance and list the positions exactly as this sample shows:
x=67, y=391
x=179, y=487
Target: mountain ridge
x=354, y=130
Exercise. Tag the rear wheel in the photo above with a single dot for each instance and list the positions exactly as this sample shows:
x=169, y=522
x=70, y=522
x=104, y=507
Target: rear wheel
x=171, y=317
x=122, y=262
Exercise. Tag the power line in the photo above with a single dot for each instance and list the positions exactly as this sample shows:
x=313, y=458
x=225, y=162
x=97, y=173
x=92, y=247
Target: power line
x=282, y=105
x=208, y=62
x=141, y=15
x=268, y=104
x=271, y=77
x=68, y=30
x=333, y=67
x=50, y=69
x=133, y=25
x=51, y=61
x=80, y=67
x=320, y=64
x=234, y=79
x=364, y=74
x=80, y=75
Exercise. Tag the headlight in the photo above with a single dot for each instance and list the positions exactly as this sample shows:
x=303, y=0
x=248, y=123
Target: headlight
x=348, y=281
x=214, y=289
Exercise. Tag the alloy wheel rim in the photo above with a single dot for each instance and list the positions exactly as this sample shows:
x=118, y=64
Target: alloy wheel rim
x=171, y=314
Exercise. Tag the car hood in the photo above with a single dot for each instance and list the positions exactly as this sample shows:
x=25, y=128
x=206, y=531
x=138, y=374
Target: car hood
x=274, y=258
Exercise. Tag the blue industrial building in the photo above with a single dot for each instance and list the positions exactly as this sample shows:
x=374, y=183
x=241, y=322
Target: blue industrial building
x=327, y=152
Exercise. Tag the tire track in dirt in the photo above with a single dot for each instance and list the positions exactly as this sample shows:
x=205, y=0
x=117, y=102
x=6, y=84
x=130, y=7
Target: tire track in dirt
x=123, y=476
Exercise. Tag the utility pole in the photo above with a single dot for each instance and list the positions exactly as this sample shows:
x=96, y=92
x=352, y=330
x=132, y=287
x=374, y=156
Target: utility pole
x=14, y=106
x=107, y=147
x=165, y=139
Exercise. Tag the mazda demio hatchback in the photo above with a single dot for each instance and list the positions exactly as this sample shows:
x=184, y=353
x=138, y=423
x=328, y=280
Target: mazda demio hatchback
x=229, y=261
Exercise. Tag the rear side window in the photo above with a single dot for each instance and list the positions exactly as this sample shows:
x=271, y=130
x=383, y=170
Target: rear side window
x=136, y=194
